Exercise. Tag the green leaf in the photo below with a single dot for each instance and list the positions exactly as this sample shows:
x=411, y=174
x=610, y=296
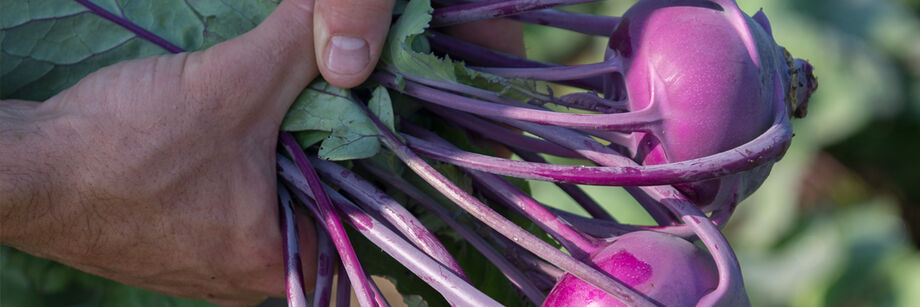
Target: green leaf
x=407, y=51
x=353, y=140
x=320, y=106
x=47, y=46
x=323, y=107
x=382, y=107
x=310, y=137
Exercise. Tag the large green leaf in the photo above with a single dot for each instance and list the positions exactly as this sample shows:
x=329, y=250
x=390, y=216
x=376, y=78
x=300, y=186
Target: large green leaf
x=47, y=46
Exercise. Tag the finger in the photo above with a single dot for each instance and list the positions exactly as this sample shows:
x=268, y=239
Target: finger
x=500, y=34
x=349, y=37
x=269, y=64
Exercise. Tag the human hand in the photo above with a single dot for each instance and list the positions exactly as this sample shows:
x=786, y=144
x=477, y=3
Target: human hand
x=159, y=172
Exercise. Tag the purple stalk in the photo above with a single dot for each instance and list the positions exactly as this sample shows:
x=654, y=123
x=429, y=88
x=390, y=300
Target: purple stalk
x=342, y=289
x=591, y=102
x=766, y=148
x=472, y=91
x=293, y=269
x=557, y=73
x=478, y=55
x=526, y=259
x=300, y=188
x=730, y=280
x=578, y=22
x=642, y=120
x=602, y=155
x=327, y=215
x=621, y=142
x=654, y=208
x=454, y=289
x=584, y=101
x=578, y=245
x=326, y=260
x=378, y=296
x=592, y=226
x=497, y=222
x=575, y=192
x=366, y=193
x=503, y=135
x=130, y=26
x=606, y=229
x=469, y=12
x=512, y=273
x=482, y=56
x=591, y=149
x=582, y=23
x=541, y=280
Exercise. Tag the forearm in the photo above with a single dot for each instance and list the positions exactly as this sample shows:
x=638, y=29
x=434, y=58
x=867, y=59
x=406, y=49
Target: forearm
x=26, y=169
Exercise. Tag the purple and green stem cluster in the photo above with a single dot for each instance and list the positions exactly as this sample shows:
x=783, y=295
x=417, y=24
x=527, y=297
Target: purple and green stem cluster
x=608, y=132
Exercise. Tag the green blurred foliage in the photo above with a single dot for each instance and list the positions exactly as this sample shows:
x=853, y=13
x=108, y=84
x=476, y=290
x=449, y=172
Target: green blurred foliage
x=33, y=281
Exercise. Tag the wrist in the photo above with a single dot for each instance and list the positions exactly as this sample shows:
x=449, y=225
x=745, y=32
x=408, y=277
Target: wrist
x=28, y=168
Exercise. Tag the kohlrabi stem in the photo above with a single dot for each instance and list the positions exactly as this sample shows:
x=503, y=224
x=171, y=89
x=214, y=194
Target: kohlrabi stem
x=594, y=227
x=472, y=91
x=730, y=290
x=326, y=259
x=578, y=22
x=293, y=268
x=585, y=101
x=557, y=73
x=454, y=289
x=366, y=193
x=378, y=296
x=469, y=12
x=582, y=23
x=579, y=245
x=130, y=26
x=575, y=192
x=342, y=289
x=328, y=217
x=541, y=280
x=591, y=102
x=606, y=229
x=766, y=148
x=497, y=222
x=603, y=155
x=501, y=134
x=642, y=120
x=654, y=209
x=525, y=259
x=514, y=275
x=477, y=55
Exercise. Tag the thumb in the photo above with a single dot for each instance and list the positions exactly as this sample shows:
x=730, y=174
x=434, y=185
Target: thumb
x=350, y=35
x=270, y=64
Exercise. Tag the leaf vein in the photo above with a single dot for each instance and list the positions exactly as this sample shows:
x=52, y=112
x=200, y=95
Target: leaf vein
x=53, y=18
